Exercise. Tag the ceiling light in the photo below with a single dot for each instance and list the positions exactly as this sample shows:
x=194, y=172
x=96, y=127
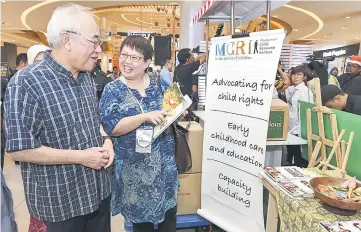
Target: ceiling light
x=13, y=40
x=309, y=13
x=3, y=1
x=348, y=17
x=295, y=29
x=325, y=36
x=275, y=16
x=357, y=37
x=344, y=27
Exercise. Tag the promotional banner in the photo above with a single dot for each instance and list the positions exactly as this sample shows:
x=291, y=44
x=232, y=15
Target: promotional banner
x=240, y=82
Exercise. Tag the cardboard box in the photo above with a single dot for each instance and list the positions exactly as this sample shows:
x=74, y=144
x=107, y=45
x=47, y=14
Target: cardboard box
x=189, y=193
x=278, y=120
x=195, y=143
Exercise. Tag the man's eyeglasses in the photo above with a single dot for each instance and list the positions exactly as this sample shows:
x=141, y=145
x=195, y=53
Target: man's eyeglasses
x=95, y=43
x=352, y=65
x=135, y=59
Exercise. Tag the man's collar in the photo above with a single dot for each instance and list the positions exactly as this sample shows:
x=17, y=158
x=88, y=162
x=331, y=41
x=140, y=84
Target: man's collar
x=350, y=102
x=55, y=65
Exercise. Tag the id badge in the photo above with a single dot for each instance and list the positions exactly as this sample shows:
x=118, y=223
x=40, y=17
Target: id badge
x=144, y=137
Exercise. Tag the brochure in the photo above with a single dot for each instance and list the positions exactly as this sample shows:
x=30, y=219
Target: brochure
x=297, y=188
x=174, y=102
x=342, y=226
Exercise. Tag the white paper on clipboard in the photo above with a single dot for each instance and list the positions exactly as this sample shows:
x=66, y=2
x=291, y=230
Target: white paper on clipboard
x=176, y=113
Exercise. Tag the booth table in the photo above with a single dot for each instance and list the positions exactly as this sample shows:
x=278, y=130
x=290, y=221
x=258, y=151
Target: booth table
x=297, y=215
x=273, y=157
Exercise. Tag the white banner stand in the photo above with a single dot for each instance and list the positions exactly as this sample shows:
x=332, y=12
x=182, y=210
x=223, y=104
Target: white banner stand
x=240, y=83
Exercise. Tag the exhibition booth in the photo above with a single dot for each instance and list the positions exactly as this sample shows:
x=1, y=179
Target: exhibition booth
x=239, y=139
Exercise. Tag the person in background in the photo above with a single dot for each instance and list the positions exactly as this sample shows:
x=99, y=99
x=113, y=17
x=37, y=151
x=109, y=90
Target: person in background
x=166, y=73
x=318, y=70
x=53, y=128
x=151, y=73
x=295, y=93
x=36, y=53
x=108, y=73
x=100, y=79
x=145, y=180
x=115, y=74
x=334, y=97
x=21, y=62
x=3, y=139
x=8, y=223
x=350, y=82
x=184, y=71
x=334, y=72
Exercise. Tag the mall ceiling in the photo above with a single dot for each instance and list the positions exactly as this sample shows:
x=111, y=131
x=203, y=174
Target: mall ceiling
x=312, y=22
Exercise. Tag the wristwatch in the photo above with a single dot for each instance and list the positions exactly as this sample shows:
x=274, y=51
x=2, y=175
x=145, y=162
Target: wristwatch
x=107, y=137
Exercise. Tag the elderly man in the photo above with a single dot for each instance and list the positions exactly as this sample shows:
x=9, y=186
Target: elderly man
x=350, y=82
x=52, y=124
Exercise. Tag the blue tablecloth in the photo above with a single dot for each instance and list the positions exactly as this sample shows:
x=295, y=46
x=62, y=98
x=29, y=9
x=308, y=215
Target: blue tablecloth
x=183, y=221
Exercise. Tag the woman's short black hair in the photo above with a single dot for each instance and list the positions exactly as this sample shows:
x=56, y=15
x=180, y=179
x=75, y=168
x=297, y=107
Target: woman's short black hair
x=320, y=70
x=183, y=55
x=301, y=69
x=140, y=44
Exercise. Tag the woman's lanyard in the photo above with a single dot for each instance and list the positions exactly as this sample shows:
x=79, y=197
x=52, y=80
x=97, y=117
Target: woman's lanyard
x=144, y=134
x=122, y=79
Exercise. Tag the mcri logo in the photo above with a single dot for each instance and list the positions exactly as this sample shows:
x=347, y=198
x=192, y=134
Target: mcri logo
x=239, y=47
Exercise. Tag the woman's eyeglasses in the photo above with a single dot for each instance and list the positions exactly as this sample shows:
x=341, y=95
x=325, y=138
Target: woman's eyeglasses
x=124, y=56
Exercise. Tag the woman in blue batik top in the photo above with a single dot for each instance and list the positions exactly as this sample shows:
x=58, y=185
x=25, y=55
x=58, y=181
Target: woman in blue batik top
x=145, y=181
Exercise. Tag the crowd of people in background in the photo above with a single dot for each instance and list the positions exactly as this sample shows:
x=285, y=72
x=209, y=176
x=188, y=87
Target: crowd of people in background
x=341, y=92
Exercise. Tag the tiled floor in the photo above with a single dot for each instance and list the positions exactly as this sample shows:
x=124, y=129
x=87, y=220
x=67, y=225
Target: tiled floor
x=15, y=183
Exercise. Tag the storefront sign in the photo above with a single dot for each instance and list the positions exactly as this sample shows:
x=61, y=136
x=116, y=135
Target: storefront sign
x=240, y=84
x=337, y=52
x=4, y=68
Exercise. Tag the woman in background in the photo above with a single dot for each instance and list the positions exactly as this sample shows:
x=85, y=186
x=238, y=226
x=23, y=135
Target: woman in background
x=318, y=70
x=334, y=72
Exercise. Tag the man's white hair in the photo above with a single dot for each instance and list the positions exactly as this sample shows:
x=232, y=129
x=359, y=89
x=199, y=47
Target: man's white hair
x=64, y=18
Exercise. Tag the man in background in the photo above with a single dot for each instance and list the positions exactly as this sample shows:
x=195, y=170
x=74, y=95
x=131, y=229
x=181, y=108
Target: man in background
x=115, y=74
x=100, y=79
x=21, y=62
x=333, y=97
x=184, y=72
x=166, y=73
x=350, y=82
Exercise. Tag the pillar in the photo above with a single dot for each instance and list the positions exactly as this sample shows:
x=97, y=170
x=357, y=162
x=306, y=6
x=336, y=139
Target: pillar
x=190, y=36
x=104, y=56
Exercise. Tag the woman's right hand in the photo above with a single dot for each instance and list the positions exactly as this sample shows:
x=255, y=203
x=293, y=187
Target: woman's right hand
x=156, y=117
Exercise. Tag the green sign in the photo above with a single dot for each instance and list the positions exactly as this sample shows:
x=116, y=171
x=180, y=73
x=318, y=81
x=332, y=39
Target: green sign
x=276, y=124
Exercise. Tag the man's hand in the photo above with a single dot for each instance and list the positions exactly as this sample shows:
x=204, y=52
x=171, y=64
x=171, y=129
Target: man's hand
x=95, y=157
x=108, y=145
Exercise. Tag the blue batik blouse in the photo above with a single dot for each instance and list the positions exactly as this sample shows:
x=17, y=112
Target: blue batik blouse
x=144, y=186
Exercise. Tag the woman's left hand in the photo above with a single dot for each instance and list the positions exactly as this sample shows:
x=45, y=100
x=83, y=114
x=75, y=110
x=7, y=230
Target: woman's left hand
x=108, y=144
